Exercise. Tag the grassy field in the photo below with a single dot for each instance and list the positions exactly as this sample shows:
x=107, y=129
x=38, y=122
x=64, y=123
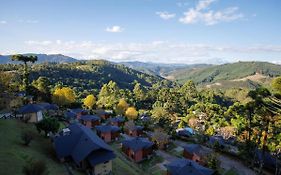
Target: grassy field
x=14, y=155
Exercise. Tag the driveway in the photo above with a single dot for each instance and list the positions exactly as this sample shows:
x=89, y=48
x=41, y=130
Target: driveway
x=226, y=161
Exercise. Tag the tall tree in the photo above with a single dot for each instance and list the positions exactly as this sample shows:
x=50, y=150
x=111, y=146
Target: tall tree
x=64, y=96
x=108, y=95
x=121, y=107
x=131, y=113
x=25, y=60
x=89, y=101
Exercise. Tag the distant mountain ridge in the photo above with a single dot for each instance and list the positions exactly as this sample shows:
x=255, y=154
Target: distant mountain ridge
x=160, y=69
x=42, y=58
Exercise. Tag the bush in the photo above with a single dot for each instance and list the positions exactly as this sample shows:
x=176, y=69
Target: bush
x=26, y=137
x=35, y=168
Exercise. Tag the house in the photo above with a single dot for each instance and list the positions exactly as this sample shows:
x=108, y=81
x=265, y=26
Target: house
x=103, y=114
x=70, y=116
x=196, y=153
x=266, y=158
x=79, y=112
x=31, y=113
x=81, y=145
x=134, y=131
x=107, y=132
x=185, y=132
x=187, y=167
x=117, y=121
x=137, y=148
x=50, y=109
x=217, y=141
x=90, y=120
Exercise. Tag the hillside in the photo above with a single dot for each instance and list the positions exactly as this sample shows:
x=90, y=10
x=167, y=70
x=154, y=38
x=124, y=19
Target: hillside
x=160, y=69
x=42, y=58
x=240, y=73
x=93, y=74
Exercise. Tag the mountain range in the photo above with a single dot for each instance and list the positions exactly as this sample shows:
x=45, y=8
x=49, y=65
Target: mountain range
x=239, y=74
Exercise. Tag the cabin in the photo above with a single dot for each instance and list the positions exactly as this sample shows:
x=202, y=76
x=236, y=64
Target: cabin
x=103, y=114
x=137, y=149
x=185, y=132
x=90, y=120
x=187, y=167
x=78, y=112
x=217, y=142
x=107, y=132
x=79, y=144
x=196, y=153
x=117, y=121
x=50, y=109
x=134, y=131
x=31, y=113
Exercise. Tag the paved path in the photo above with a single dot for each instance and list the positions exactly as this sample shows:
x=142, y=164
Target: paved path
x=226, y=161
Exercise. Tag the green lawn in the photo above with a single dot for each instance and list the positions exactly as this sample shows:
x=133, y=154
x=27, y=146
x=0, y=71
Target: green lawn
x=13, y=155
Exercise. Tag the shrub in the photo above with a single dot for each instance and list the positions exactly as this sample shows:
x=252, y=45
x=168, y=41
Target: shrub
x=35, y=168
x=26, y=137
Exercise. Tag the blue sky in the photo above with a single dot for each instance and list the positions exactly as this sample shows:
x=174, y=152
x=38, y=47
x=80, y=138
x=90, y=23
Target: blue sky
x=170, y=31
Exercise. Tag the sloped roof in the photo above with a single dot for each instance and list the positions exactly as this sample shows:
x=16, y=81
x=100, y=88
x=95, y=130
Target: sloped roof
x=137, y=143
x=89, y=118
x=107, y=128
x=196, y=149
x=78, y=110
x=69, y=114
x=267, y=158
x=187, y=167
x=30, y=108
x=117, y=119
x=49, y=106
x=81, y=143
x=219, y=139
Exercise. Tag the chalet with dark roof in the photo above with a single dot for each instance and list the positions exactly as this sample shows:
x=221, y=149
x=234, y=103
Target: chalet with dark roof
x=117, y=121
x=103, y=114
x=187, y=167
x=78, y=112
x=90, y=120
x=108, y=133
x=31, y=113
x=134, y=131
x=137, y=148
x=196, y=153
x=81, y=145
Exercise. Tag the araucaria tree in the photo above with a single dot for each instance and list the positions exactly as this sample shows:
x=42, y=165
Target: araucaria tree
x=25, y=59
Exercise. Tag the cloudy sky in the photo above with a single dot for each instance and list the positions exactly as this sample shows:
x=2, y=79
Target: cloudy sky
x=168, y=31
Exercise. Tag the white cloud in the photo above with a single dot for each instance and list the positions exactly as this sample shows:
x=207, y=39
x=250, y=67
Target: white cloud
x=3, y=22
x=156, y=51
x=114, y=29
x=165, y=15
x=202, y=13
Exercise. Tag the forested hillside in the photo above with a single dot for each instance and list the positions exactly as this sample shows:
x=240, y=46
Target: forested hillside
x=236, y=72
x=88, y=75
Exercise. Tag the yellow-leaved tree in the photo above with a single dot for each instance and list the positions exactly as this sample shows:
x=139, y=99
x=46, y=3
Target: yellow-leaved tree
x=90, y=101
x=64, y=96
x=131, y=113
x=121, y=107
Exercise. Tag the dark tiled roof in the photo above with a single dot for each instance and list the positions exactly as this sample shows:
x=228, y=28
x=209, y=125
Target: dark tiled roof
x=48, y=106
x=219, y=139
x=107, y=128
x=30, y=108
x=79, y=110
x=268, y=159
x=100, y=156
x=81, y=143
x=196, y=149
x=69, y=114
x=138, y=128
x=187, y=167
x=118, y=119
x=89, y=118
x=137, y=143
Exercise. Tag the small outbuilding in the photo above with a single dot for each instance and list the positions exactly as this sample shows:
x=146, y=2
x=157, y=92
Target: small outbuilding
x=31, y=113
x=137, y=148
x=90, y=120
x=108, y=133
x=117, y=121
